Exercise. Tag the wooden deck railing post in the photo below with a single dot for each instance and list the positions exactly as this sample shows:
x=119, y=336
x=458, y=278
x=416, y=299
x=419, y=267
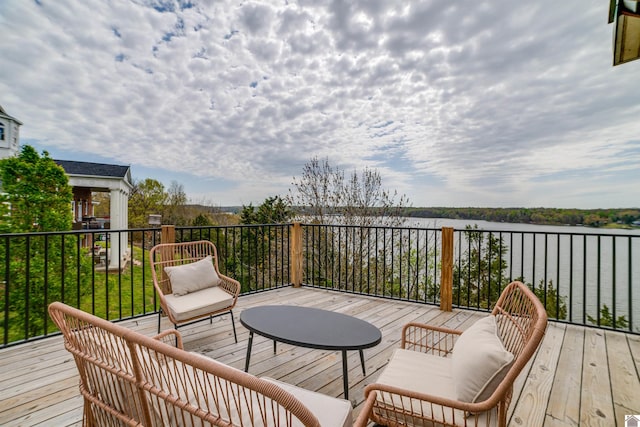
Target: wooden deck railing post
x=446, y=277
x=168, y=234
x=295, y=255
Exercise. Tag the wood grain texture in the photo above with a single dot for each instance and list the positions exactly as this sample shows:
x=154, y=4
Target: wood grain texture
x=576, y=371
x=596, y=408
x=564, y=402
x=531, y=406
x=625, y=384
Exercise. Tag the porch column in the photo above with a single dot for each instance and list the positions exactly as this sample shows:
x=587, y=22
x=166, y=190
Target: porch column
x=119, y=221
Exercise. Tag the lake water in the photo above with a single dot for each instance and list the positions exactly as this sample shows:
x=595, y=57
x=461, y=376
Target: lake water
x=591, y=267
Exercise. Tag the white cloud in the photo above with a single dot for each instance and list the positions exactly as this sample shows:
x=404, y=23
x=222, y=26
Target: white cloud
x=489, y=103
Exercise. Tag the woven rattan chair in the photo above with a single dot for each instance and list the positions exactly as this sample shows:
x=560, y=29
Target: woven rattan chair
x=127, y=378
x=208, y=301
x=428, y=358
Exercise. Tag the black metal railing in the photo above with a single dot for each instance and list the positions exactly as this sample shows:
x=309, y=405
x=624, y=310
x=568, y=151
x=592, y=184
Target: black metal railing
x=107, y=272
x=104, y=272
x=589, y=279
x=585, y=279
x=255, y=255
x=391, y=262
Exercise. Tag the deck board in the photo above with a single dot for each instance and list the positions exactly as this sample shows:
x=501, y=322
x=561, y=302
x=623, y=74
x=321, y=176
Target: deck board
x=534, y=396
x=564, y=402
x=596, y=406
x=625, y=385
x=577, y=377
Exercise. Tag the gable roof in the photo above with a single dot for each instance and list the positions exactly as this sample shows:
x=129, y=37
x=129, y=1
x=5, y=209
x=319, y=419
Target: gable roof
x=4, y=114
x=72, y=167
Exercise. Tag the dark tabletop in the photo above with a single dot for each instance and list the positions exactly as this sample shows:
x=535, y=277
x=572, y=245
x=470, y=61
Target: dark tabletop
x=310, y=327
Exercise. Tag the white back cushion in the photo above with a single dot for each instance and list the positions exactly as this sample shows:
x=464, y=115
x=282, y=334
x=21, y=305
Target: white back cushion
x=192, y=277
x=479, y=361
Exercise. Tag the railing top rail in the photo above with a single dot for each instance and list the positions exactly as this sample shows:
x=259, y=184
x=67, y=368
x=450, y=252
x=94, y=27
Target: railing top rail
x=133, y=230
x=387, y=227
x=592, y=232
x=561, y=233
x=589, y=232
x=200, y=227
x=82, y=231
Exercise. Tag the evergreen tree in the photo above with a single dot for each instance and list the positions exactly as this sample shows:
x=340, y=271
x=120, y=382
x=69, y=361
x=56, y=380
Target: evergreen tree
x=480, y=277
x=201, y=220
x=274, y=210
x=258, y=262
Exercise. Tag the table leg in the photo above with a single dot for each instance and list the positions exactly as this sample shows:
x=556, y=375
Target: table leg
x=345, y=379
x=274, y=346
x=246, y=361
x=364, y=373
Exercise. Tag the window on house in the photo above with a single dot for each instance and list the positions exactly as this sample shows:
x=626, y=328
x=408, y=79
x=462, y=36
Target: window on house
x=1, y=132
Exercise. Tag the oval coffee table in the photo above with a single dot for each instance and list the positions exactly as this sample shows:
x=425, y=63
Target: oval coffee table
x=311, y=328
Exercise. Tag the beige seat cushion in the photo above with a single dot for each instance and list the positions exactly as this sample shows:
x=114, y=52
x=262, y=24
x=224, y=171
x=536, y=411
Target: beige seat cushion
x=192, y=277
x=479, y=361
x=330, y=411
x=198, y=303
x=428, y=374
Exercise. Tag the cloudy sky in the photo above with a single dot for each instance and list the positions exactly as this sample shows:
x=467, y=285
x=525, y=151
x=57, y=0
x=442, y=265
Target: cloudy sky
x=493, y=103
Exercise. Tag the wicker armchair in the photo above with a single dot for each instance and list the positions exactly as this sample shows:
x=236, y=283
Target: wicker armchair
x=427, y=362
x=199, y=302
x=129, y=379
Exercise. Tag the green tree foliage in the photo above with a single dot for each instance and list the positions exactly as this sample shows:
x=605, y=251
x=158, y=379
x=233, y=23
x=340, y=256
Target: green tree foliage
x=147, y=197
x=102, y=204
x=201, y=220
x=479, y=278
x=36, y=194
x=40, y=268
x=174, y=210
x=257, y=263
x=555, y=304
x=607, y=319
x=274, y=210
x=409, y=271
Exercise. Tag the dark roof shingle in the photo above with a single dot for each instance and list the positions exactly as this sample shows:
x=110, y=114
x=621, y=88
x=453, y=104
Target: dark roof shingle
x=72, y=167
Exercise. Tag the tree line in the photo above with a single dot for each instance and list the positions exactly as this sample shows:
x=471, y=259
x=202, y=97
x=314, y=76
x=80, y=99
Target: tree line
x=548, y=216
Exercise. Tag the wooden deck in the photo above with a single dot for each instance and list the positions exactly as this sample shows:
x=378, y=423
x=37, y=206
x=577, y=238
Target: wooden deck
x=579, y=376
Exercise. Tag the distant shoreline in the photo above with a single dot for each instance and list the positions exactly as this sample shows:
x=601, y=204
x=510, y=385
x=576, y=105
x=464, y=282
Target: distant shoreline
x=628, y=218
x=618, y=218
